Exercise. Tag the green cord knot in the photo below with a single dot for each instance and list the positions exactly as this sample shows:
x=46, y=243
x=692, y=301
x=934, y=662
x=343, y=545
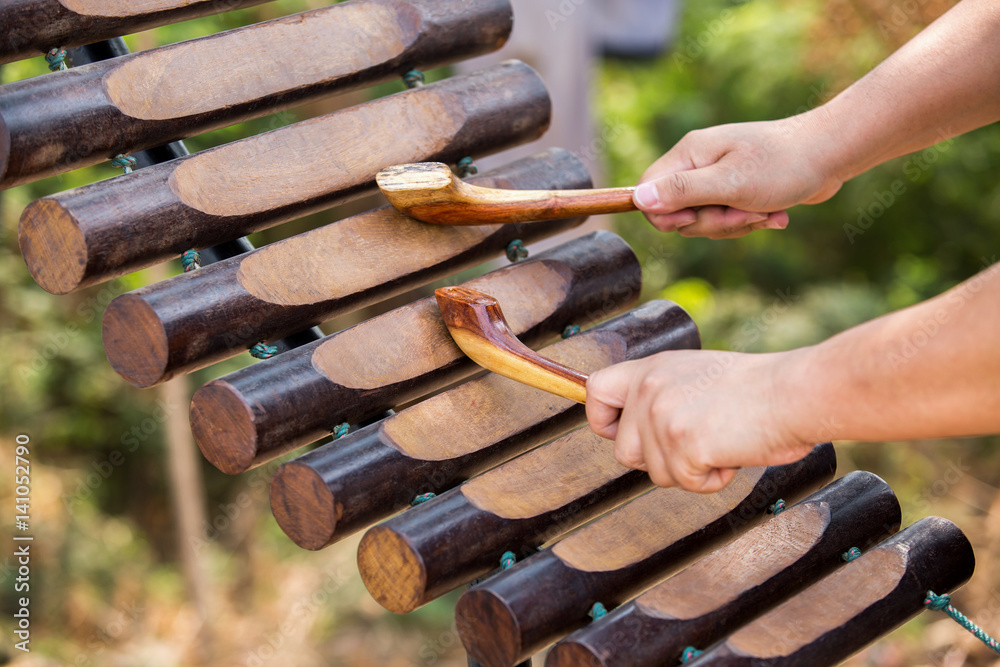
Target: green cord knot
x=851, y=554
x=507, y=560
x=598, y=611
x=516, y=250
x=690, y=653
x=190, y=260
x=943, y=603
x=341, y=430
x=570, y=331
x=777, y=508
x=413, y=79
x=466, y=167
x=422, y=498
x=126, y=163
x=56, y=58
x=262, y=351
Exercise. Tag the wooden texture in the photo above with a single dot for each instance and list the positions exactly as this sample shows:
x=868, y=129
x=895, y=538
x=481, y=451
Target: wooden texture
x=88, y=114
x=430, y=192
x=517, y=506
x=32, y=27
x=728, y=588
x=477, y=325
x=198, y=318
x=435, y=445
x=852, y=607
x=136, y=220
x=258, y=413
x=520, y=610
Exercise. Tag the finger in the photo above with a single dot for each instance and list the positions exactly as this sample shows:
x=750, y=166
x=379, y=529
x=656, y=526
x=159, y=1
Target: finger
x=711, y=185
x=628, y=444
x=720, y=222
x=607, y=390
x=668, y=222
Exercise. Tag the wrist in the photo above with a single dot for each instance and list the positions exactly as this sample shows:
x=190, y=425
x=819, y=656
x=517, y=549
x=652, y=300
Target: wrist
x=806, y=404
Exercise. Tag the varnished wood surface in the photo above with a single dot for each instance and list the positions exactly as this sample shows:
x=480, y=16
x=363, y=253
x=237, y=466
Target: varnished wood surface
x=850, y=608
x=198, y=318
x=156, y=213
x=478, y=326
x=743, y=579
x=521, y=610
x=300, y=396
x=435, y=445
x=32, y=27
x=515, y=507
x=430, y=192
x=86, y=115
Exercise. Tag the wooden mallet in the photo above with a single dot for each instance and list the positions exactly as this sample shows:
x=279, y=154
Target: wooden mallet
x=430, y=192
x=478, y=326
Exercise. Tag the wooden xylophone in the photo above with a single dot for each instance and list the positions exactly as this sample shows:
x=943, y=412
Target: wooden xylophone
x=479, y=479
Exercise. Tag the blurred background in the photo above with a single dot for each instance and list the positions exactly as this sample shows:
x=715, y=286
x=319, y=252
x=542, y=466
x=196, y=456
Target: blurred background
x=146, y=555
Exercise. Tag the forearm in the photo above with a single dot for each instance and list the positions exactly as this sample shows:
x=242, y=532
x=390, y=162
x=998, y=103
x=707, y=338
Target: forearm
x=932, y=370
x=939, y=85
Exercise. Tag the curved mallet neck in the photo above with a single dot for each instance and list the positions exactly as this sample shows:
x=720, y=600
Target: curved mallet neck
x=478, y=326
x=430, y=192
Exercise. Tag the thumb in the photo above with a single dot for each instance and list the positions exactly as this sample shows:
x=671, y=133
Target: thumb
x=711, y=185
x=607, y=390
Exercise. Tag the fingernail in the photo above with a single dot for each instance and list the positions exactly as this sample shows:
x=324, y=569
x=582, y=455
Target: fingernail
x=775, y=224
x=687, y=219
x=757, y=217
x=646, y=195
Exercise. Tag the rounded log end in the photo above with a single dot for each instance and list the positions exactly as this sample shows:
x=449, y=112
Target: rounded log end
x=488, y=628
x=135, y=341
x=223, y=427
x=303, y=506
x=53, y=246
x=391, y=570
x=572, y=654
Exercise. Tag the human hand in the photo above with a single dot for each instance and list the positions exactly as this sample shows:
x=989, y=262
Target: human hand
x=726, y=181
x=690, y=418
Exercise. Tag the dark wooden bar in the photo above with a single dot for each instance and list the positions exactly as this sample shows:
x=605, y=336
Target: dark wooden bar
x=198, y=318
x=854, y=606
x=434, y=548
x=521, y=610
x=728, y=588
x=32, y=27
x=89, y=114
x=258, y=413
x=100, y=231
x=366, y=476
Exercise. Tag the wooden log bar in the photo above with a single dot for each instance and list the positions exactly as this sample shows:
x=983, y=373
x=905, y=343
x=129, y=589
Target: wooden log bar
x=368, y=475
x=88, y=114
x=728, y=588
x=521, y=610
x=100, y=231
x=32, y=27
x=442, y=544
x=198, y=318
x=854, y=606
x=255, y=414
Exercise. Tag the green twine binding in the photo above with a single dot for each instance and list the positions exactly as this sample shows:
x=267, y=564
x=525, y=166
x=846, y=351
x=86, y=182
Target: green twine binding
x=597, y=612
x=422, y=498
x=570, y=331
x=777, y=508
x=851, y=554
x=341, y=430
x=262, y=351
x=127, y=164
x=690, y=653
x=56, y=58
x=507, y=560
x=943, y=603
x=466, y=167
x=516, y=251
x=413, y=79
x=190, y=260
